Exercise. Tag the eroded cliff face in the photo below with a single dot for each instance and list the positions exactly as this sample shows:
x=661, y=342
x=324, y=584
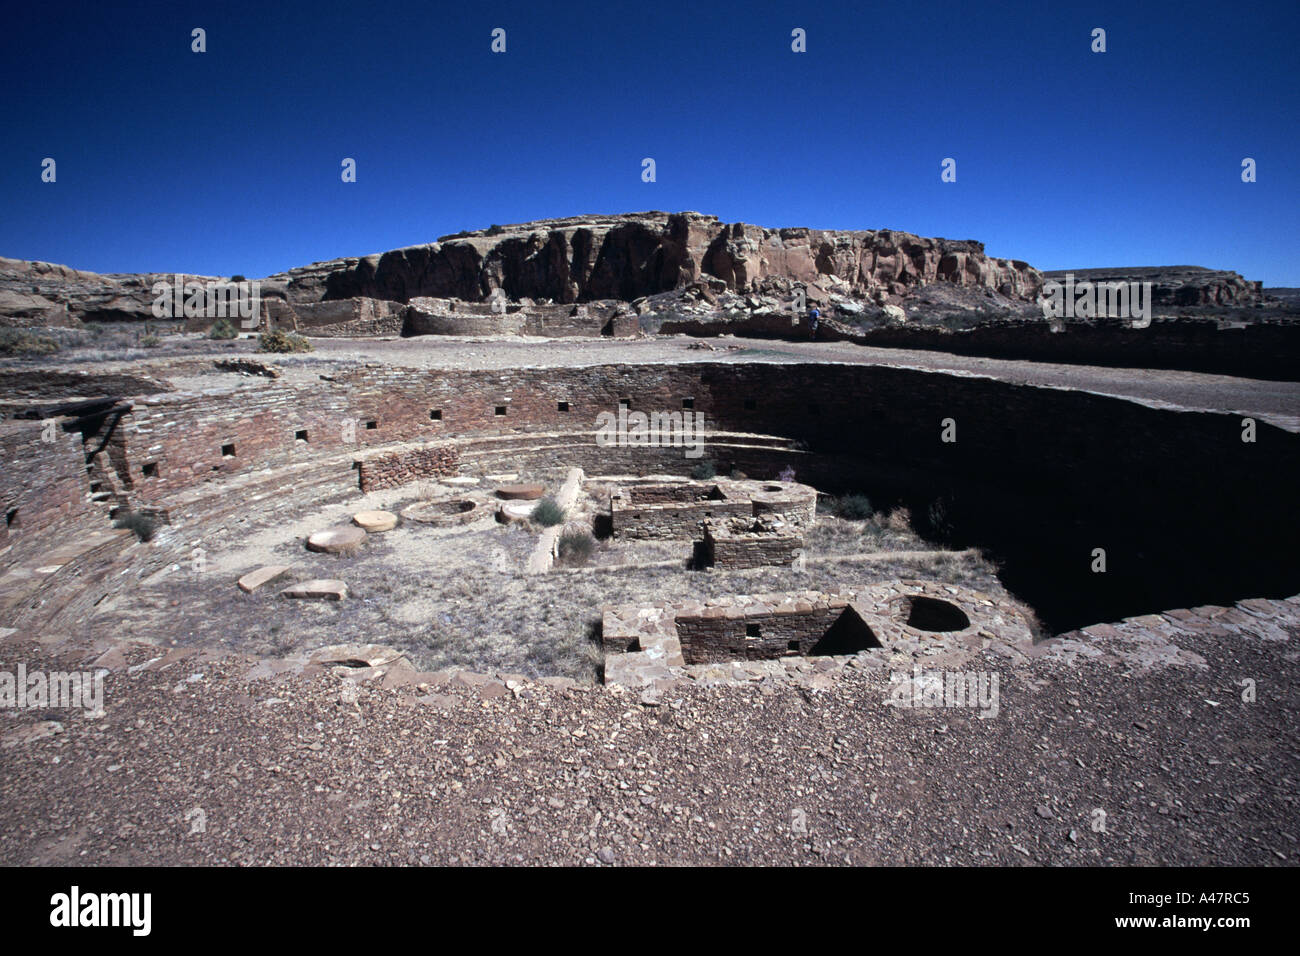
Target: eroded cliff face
x=42, y=293
x=585, y=258
x=1178, y=286
x=588, y=259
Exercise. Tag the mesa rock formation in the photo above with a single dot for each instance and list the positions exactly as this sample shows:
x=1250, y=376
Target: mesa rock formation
x=1178, y=285
x=585, y=258
x=580, y=259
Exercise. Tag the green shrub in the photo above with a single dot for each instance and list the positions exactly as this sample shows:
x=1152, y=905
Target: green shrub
x=853, y=507
x=238, y=279
x=704, y=471
x=150, y=341
x=20, y=341
x=548, y=513
x=575, y=547
x=278, y=340
x=223, y=329
x=145, y=526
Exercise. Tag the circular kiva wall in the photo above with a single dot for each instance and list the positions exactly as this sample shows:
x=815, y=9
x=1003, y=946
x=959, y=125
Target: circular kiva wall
x=1105, y=472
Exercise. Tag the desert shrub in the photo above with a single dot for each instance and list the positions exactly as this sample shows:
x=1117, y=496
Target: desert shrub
x=704, y=471
x=900, y=519
x=223, y=329
x=575, y=547
x=150, y=341
x=785, y=474
x=22, y=342
x=738, y=475
x=145, y=526
x=277, y=340
x=853, y=507
x=548, y=513
x=238, y=279
x=940, y=519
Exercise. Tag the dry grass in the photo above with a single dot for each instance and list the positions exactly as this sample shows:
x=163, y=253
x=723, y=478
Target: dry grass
x=460, y=597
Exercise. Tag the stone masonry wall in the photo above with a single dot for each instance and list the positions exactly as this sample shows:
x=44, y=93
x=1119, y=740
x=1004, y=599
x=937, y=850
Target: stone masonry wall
x=392, y=469
x=752, y=551
x=1106, y=473
x=44, y=482
x=716, y=637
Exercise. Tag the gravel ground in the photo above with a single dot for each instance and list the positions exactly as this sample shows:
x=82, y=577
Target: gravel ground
x=310, y=770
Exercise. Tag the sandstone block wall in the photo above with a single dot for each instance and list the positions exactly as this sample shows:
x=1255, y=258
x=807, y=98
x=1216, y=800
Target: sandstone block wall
x=751, y=551
x=44, y=483
x=760, y=634
x=1187, y=512
x=679, y=510
x=392, y=469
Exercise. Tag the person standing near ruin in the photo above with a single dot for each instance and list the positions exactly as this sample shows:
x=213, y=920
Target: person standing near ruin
x=814, y=320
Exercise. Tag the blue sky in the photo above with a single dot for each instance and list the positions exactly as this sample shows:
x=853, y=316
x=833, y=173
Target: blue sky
x=229, y=161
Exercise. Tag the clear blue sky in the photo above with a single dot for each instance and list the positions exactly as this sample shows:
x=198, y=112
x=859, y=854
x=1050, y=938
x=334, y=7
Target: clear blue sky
x=229, y=161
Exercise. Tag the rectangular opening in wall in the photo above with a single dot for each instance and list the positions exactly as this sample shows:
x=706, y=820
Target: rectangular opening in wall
x=750, y=404
x=501, y=411
x=625, y=403
x=300, y=435
x=150, y=469
x=228, y=451
x=435, y=414
x=371, y=426
x=792, y=646
x=688, y=403
x=753, y=630
x=11, y=518
x=562, y=406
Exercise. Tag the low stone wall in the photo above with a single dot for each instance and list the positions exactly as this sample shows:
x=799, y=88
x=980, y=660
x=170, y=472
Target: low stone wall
x=755, y=634
x=391, y=469
x=434, y=316
x=669, y=511
x=755, y=550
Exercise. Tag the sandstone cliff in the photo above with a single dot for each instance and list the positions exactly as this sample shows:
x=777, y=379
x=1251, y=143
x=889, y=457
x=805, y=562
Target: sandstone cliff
x=586, y=258
x=1178, y=285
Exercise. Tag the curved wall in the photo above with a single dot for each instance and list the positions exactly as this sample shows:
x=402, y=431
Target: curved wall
x=1186, y=512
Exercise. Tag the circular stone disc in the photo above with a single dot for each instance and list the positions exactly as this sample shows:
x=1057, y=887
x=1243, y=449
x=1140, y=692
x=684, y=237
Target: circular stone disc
x=375, y=521
x=521, y=492
x=517, y=510
x=341, y=540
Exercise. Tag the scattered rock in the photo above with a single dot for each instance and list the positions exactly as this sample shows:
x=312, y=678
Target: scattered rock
x=31, y=733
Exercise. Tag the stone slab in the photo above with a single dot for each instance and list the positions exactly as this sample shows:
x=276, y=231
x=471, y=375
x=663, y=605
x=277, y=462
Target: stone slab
x=253, y=580
x=326, y=589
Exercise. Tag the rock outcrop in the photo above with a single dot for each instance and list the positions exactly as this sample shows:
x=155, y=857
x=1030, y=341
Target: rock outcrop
x=42, y=293
x=1174, y=286
x=585, y=258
